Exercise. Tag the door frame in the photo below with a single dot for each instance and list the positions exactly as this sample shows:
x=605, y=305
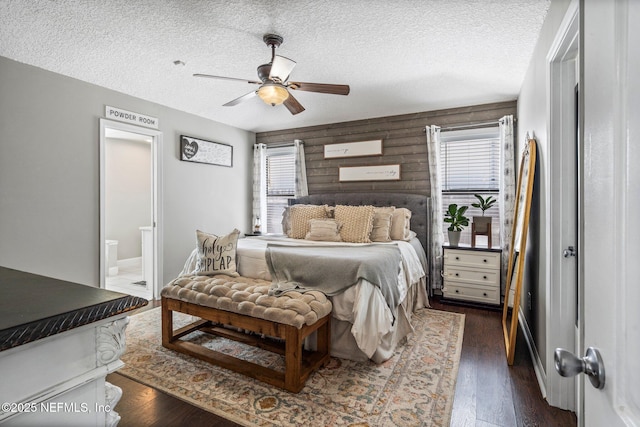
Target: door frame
x=563, y=210
x=156, y=159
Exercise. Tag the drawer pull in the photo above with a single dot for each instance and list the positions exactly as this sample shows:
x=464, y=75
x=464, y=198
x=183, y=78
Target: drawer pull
x=457, y=258
x=457, y=275
x=484, y=260
x=457, y=291
x=484, y=293
x=484, y=277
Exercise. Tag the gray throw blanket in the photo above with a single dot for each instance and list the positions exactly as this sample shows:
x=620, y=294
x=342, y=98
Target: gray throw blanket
x=333, y=269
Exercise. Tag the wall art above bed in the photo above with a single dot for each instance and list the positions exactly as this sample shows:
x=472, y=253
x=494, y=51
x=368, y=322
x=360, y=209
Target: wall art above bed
x=370, y=173
x=202, y=151
x=353, y=149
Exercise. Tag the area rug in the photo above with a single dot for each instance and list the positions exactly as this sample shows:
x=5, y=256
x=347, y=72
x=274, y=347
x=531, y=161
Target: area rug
x=413, y=388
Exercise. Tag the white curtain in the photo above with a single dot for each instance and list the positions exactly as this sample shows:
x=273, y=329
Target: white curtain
x=507, y=189
x=259, y=184
x=435, y=177
x=301, y=188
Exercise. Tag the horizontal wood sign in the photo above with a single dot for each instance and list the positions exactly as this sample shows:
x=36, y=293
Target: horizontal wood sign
x=370, y=173
x=353, y=149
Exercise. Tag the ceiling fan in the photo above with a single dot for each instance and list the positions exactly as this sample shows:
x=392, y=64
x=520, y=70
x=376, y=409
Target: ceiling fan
x=274, y=83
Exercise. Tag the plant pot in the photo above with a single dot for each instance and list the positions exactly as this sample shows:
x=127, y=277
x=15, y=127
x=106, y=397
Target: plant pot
x=454, y=238
x=481, y=224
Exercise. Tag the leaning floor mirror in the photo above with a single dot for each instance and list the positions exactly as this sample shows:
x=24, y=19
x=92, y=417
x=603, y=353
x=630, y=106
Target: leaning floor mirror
x=518, y=247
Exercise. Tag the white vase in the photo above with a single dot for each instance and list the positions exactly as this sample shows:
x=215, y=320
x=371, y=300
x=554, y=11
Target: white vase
x=454, y=238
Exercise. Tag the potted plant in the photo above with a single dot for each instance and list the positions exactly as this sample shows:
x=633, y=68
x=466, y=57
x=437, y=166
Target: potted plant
x=457, y=220
x=480, y=223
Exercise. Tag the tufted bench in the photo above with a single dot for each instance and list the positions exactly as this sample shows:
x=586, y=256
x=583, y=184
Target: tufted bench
x=244, y=304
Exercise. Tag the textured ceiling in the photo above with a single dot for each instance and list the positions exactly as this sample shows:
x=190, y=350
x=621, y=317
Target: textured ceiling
x=399, y=57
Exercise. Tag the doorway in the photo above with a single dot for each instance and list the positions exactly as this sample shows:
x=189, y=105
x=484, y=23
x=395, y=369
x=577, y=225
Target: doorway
x=129, y=182
x=563, y=233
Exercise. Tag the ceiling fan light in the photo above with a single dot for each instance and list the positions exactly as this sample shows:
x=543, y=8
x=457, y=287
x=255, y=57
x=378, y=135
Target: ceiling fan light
x=273, y=94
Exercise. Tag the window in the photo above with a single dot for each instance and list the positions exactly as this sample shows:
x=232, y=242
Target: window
x=470, y=161
x=280, y=170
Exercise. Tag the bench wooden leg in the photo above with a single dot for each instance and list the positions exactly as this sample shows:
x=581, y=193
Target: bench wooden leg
x=167, y=323
x=323, y=339
x=293, y=360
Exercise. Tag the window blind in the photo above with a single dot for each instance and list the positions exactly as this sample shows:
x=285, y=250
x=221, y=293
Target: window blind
x=471, y=165
x=280, y=174
x=280, y=185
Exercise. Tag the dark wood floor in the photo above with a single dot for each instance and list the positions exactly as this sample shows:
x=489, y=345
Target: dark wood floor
x=488, y=392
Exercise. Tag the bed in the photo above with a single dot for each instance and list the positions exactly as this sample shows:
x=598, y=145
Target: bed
x=365, y=324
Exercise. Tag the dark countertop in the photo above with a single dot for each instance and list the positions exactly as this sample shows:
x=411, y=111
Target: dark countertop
x=34, y=306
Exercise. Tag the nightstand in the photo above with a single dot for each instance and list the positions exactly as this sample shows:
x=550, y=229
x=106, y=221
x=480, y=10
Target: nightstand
x=472, y=274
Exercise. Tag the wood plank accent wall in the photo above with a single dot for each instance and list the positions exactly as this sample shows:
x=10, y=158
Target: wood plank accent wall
x=403, y=141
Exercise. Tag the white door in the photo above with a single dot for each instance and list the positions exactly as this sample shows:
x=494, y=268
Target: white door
x=611, y=176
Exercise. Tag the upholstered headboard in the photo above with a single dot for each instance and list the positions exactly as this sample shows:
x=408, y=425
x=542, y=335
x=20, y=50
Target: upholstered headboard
x=418, y=204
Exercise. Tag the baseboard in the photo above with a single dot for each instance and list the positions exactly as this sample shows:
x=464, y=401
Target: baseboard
x=533, y=351
x=130, y=262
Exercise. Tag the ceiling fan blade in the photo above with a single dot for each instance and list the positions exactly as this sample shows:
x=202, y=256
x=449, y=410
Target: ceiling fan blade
x=293, y=105
x=320, y=87
x=240, y=99
x=209, y=76
x=281, y=68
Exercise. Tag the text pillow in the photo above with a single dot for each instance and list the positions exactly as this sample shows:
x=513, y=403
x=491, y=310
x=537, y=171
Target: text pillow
x=216, y=254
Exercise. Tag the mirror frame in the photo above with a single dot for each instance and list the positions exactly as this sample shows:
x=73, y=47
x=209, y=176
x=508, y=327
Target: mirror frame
x=526, y=176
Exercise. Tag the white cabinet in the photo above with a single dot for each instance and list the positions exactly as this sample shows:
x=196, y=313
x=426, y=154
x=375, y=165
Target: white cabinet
x=472, y=274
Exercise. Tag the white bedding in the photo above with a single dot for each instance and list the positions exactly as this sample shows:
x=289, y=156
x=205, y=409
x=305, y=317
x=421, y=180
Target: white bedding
x=362, y=306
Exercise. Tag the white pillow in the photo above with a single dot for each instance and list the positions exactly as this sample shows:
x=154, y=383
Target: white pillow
x=382, y=224
x=400, y=224
x=326, y=230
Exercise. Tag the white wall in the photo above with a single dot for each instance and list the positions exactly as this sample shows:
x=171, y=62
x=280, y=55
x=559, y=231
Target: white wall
x=533, y=114
x=49, y=175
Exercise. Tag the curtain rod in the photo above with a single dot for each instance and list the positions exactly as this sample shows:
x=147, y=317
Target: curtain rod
x=283, y=144
x=477, y=125
x=474, y=125
x=280, y=144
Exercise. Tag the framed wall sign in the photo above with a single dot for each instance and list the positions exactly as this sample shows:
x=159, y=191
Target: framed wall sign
x=353, y=149
x=202, y=151
x=370, y=173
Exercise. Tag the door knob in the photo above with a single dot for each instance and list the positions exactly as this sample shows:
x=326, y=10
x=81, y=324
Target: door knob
x=569, y=365
x=569, y=252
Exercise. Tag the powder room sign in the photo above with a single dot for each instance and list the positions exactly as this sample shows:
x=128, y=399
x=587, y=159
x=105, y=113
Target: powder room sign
x=131, y=117
x=202, y=151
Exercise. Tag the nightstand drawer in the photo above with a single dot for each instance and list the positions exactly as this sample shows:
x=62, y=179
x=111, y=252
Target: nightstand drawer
x=454, y=257
x=483, y=277
x=475, y=293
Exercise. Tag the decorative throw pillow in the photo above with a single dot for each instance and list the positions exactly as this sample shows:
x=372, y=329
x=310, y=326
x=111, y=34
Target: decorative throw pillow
x=217, y=254
x=357, y=222
x=382, y=224
x=400, y=224
x=327, y=230
x=299, y=216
